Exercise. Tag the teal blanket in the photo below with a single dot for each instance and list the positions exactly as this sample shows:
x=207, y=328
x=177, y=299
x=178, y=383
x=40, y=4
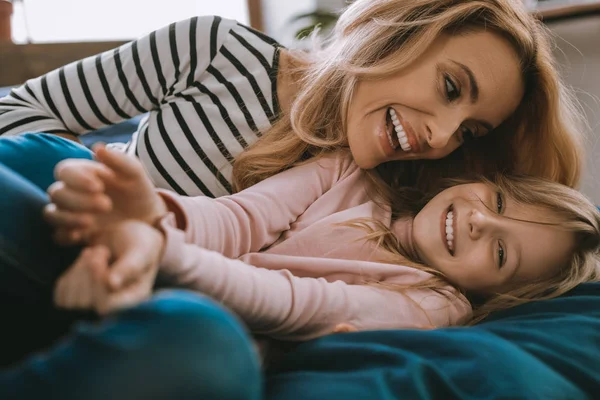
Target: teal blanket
x=543, y=350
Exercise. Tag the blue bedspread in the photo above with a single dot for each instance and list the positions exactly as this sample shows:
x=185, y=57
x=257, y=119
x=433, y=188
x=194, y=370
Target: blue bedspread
x=544, y=350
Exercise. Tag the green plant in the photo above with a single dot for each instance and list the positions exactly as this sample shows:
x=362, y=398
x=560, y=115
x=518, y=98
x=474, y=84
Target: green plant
x=320, y=19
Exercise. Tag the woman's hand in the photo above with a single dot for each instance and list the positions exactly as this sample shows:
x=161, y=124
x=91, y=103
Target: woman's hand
x=115, y=273
x=90, y=195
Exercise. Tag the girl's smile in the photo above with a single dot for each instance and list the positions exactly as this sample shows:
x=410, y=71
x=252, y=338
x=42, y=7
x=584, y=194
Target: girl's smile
x=485, y=241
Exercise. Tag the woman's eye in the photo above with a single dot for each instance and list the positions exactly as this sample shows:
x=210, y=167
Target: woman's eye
x=499, y=202
x=501, y=255
x=452, y=92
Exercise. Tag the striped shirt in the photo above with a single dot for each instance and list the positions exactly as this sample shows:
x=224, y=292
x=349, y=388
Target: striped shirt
x=208, y=84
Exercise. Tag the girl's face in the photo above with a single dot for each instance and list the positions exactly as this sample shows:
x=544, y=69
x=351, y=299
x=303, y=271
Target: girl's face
x=463, y=85
x=472, y=234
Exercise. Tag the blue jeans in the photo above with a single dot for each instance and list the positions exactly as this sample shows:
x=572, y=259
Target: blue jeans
x=178, y=345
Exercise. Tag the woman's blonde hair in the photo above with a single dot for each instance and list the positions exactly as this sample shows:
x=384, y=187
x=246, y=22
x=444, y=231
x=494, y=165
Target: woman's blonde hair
x=376, y=38
x=567, y=209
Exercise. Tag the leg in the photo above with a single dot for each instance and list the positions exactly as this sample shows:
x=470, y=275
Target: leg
x=29, y=260
x=29, y=264
x=34, y=156
x=178, y=345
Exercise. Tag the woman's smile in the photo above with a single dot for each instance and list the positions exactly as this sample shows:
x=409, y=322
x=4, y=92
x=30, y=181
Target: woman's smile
x=424, y=110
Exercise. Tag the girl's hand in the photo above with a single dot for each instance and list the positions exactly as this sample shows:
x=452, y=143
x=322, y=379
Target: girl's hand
x=115, y=274
x=90, y=195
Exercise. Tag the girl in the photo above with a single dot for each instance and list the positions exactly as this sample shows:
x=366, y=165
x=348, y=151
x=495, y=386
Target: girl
x=449, y=71
x=314, y=248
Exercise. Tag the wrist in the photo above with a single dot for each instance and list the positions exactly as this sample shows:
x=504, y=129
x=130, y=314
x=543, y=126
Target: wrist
x=159, y=212
x=171, y=206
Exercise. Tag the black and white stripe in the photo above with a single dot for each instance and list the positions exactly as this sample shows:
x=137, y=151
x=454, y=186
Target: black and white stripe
x=208, y=84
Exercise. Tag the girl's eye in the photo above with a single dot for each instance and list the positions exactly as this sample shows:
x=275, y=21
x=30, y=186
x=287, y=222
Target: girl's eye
x=452, y=91
x=499, y=202
x=501, y=255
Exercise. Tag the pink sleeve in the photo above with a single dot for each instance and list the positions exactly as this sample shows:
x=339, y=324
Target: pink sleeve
x=281, y=305
x=255, y=218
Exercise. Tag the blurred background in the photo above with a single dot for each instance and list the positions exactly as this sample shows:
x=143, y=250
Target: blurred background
x=37, y=36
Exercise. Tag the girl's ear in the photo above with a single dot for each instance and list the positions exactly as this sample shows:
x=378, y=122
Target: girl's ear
x=344, y=328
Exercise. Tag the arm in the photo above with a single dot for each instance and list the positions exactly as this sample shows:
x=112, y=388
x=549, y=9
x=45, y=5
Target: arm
x=116, y=85
x=284, y=306
x=256, y=217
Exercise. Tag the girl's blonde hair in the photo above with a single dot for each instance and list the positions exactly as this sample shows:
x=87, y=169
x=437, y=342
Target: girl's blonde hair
x=376, y=38
x=567, y=209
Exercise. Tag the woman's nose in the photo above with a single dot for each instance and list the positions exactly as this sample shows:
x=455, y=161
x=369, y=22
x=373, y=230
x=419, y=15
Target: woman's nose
x=441, y=131
x=439, y=138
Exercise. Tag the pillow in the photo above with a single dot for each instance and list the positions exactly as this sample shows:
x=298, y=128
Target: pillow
x=542, y=350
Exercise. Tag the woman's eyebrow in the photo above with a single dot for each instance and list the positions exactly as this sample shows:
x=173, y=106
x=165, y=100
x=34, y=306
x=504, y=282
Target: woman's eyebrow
x=472, y=81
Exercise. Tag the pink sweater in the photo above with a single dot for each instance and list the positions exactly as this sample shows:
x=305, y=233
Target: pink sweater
x=274, y=255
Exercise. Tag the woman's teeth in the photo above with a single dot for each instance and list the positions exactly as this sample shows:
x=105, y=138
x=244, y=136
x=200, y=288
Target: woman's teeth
x=399, y=132
x=450, y=230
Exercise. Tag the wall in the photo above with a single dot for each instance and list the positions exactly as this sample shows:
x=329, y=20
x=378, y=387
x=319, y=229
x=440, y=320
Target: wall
x=578, y=53
x=277, y=15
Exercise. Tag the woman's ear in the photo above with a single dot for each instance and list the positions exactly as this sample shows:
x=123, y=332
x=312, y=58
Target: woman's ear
x=344, y=328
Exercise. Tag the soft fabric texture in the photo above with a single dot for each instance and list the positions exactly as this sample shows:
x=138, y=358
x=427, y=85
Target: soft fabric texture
x=211, y=95
x=178, y=345
x=543, y=350
x=279, y=255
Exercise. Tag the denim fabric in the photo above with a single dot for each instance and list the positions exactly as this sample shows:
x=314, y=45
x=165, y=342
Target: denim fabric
x=178, y=345
x=34, y=155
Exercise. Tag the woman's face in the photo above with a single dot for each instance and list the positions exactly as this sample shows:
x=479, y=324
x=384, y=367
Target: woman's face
x=464, y=85
x=482, y=240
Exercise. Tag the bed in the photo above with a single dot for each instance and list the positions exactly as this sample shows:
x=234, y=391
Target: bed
x=544, y=350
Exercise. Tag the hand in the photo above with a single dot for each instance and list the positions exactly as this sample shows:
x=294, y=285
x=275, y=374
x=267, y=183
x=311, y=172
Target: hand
x=90, y=195
x=117, y=273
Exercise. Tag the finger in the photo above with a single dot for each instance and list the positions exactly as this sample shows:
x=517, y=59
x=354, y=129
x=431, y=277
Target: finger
x=63, y=287
x=99, y=272
x=59, y=293
x=67, y=219
x=84, y=175
x=127, y=268
x=125, y=298
x=81, y=296
x=122, y=164
x=98, y=264
x=73, y=200
x=69, y=237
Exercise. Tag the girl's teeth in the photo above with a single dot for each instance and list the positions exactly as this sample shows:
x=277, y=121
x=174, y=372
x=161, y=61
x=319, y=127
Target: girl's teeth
x=450, y=230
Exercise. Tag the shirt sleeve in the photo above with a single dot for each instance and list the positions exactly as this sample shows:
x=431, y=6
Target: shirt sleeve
x=281, y=305
x=255, y=218
x=115, y=85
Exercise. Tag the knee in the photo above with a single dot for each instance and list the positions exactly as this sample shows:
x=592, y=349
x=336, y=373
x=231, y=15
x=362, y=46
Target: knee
x=196, y=346
x=34, y=156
